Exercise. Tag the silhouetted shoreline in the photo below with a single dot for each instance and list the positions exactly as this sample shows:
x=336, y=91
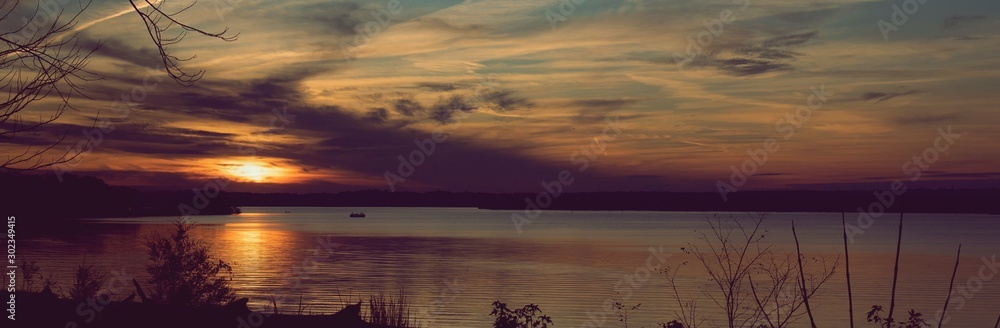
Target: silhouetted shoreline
x=76, y=197
x=47, y=310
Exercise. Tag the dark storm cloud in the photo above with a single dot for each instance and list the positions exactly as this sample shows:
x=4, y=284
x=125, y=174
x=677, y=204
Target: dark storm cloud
x=806, y=17
x=596, y=110
x=371, y=149
x=926, y=119
x=506, y=100
x=137, y=138
x=407, y=106
x=501, y=100
x=226, y=100
x=441, y=24
x=213, y=93
x=446, y=108
x=789, y=40
x=659, y=58
x=121, y=50
x=747, y=66
x=922, y=183
x=159, y=140
x=771, y=55
x=367, y=145
x=149, y=179
x=969, y=38
x=222, y=101
x=768, y=53
x=975, y=175
x=274, y=89
x=883, y=96
x=746, y=59
x=284, y=86
x=377, y=115
x=339, y=17
x=437, y=87
x=955, y=21
x=604, y=103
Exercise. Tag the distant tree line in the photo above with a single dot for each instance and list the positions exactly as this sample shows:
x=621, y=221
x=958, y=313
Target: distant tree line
x=43, y=196
x=39, y=196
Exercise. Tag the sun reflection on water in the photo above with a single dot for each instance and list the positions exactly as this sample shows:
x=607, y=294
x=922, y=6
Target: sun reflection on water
x=258, y=251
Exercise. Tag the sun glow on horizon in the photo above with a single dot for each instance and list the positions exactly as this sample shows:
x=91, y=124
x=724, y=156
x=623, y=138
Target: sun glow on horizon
x=252, y=171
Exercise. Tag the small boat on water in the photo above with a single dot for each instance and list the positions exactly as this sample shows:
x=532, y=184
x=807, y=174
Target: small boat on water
x=358, y=214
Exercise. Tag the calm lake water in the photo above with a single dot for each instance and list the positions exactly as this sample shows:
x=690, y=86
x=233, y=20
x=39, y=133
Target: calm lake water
x=454, y=262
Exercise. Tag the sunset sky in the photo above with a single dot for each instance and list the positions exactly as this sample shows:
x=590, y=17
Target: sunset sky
x=546, y=84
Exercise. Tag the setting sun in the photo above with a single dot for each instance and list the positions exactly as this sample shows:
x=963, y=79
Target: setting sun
x=252, y=172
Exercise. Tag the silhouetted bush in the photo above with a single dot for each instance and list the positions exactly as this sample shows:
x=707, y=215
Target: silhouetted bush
x=183, y=271
x=29, y=269
x=530, y=316
x=88, y=280
x=914, y=320
x=672, y=324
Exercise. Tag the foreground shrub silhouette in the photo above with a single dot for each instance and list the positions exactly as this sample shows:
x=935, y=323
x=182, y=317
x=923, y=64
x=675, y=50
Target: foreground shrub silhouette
x=88, y=280
x=914, y=320
x=29, y=269
x=183, y=272
x=389, y=311
x=530, y=316
x=672, y=324
x=753, y=283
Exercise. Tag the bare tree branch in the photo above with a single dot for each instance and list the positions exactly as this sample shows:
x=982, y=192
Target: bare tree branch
x=153, y=17
x=39, y=62
x=734, y=255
